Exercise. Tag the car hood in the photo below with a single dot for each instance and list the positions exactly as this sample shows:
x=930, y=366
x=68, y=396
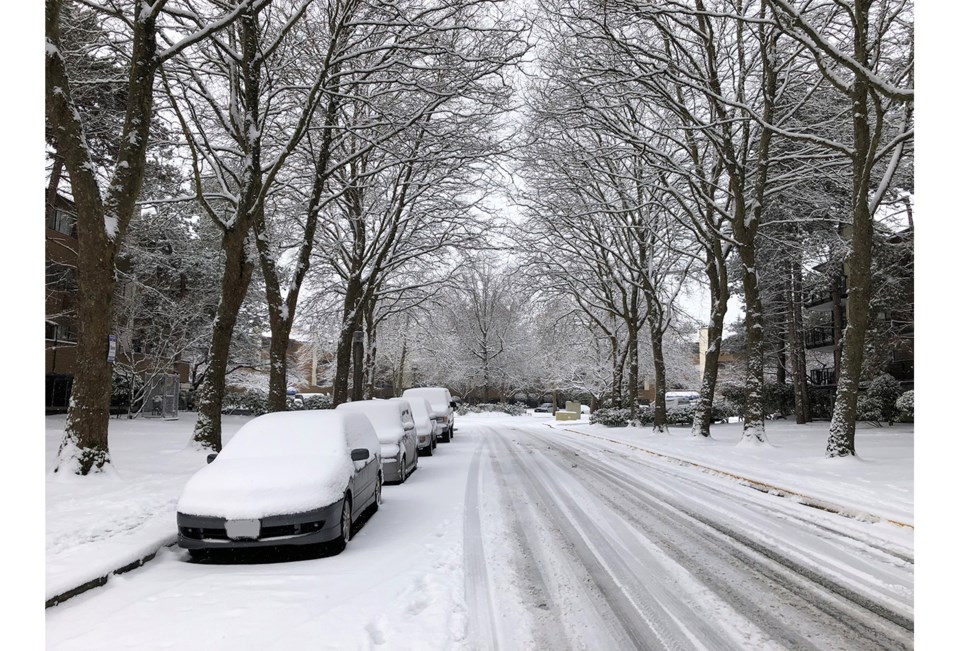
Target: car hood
x=424, y=427
x=256, y=488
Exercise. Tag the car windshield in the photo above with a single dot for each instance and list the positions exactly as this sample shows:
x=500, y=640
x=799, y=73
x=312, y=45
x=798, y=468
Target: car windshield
x=288, y=434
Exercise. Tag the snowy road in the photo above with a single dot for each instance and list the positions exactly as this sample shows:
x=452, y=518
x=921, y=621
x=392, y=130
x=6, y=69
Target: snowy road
x=517, y=537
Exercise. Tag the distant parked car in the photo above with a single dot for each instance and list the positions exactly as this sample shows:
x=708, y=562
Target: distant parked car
x=286, y=478
x=393, y=422
x=681, y=398
x=544, y=408
x=427, y=428
x=442, y=408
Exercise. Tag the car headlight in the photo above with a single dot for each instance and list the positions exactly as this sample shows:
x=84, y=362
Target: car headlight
x=422, y=439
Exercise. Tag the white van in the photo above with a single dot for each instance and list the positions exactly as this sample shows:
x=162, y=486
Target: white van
x=682, y=398
x=442, y=408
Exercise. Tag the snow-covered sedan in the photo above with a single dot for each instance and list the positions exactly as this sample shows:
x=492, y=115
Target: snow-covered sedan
x=393, y=423
x=286, y=478
x=428, y=430
x=442, y=407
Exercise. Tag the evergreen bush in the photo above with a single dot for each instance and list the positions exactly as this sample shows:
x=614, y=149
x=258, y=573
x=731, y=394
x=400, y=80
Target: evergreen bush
x=513, y=409
x=610, y=417
x=884, y=390
x=869, y=409
x=904, y=407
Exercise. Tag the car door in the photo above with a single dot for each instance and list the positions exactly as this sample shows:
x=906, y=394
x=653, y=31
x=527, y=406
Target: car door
x=365, y=475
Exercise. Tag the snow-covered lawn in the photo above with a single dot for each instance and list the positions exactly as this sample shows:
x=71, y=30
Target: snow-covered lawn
x=410, y=592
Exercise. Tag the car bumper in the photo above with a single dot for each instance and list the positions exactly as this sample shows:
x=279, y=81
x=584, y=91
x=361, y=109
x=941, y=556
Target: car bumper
x=391, y=470
x=306, y=528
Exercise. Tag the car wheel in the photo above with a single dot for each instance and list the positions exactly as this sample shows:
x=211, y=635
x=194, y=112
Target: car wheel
x=377, y=495
x=429, y=451
x=403, y=469
x=346, y=525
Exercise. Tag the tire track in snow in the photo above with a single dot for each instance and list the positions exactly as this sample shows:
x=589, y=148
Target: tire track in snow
x=804, y=591
x=641, y=616
x=476, y=582
x=666, y=469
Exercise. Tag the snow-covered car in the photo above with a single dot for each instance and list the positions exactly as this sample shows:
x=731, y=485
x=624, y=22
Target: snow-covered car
x=393, y=423
x=442, y=408
x=427, y=428
x=544, y=408
x=286, y=478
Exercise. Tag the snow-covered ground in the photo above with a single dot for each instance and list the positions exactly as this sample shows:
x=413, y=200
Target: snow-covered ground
x=511, y=536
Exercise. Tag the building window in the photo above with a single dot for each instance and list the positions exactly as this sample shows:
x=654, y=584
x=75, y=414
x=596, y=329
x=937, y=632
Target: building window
x=62, y=221
x=60, y=332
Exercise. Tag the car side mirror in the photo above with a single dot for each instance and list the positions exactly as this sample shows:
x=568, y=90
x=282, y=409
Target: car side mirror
x=453, y=404
x=360, y=454
x=211, y=457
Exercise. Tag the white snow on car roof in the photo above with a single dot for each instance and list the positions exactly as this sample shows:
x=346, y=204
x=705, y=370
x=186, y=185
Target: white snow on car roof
x=383, y=414
x=287, y=433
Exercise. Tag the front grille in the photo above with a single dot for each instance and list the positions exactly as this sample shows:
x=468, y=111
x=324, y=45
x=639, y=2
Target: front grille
x=199, y=533
x=291, y=529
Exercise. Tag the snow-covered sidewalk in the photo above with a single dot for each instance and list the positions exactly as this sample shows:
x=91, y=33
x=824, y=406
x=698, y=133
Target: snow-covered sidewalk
x=95, y=525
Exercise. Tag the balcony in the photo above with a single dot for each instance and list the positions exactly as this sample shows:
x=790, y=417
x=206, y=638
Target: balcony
x=819, y=337
x=821, y=377
x=824, y=296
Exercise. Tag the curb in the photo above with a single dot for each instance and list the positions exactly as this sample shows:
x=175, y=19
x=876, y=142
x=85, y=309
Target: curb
x=763, y=487
x=102, y=580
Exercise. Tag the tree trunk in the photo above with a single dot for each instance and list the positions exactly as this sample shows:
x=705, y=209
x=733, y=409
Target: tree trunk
x=719, y=295
x=102, y=220
x=279, y=345
x=633, y=373
x=843, y=424
x=370, y=359
x=798, y=352
x=237, y=273
x=753, y=412
x=349, y=324
x=660, y=374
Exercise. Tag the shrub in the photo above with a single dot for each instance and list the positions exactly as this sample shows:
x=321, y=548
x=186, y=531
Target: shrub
x=610, y=417
x=252, y=402
x=680, y=416
x=884, y=390
x=724, y=409
x=904, y=407
x=318, y=401
x=514, y=409
x=869, y=409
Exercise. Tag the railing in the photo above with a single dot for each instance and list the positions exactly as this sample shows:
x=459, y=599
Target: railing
x=821, y=376
x=825, y=295
x=819, y=337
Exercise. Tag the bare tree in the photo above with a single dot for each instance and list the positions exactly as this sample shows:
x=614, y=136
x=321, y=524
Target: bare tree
x=864, y=49
x=106, y=198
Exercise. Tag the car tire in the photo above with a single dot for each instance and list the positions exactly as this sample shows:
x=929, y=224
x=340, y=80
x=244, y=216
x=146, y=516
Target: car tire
x=429, y=451
x=403, y=469
x=346, y=525
x=377, y=495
